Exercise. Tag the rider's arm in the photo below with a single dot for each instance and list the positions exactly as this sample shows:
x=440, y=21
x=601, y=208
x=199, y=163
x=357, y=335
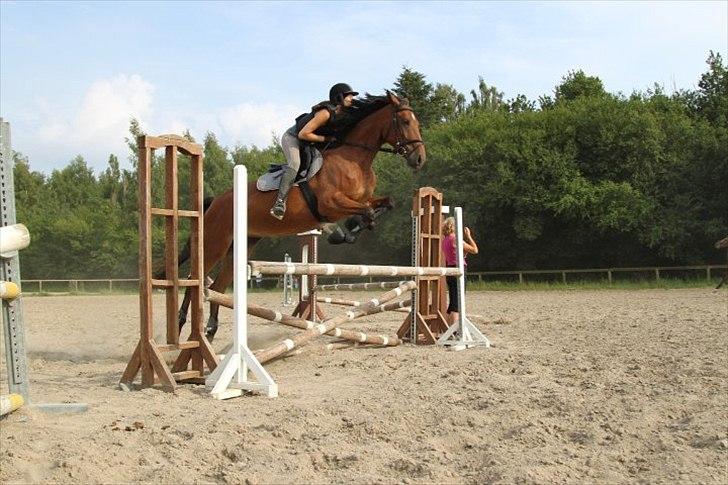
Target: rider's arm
x=307, y=132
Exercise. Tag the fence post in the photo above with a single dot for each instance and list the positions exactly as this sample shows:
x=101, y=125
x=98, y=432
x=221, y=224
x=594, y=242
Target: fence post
x=657, y=274
x=520, y=278
x=563, y=277
x=40, y=286
x=609, y=276
x=707, y=272
x=110, y=285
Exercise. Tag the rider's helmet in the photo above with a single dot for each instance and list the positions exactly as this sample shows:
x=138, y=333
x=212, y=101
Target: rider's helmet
x=339, y=91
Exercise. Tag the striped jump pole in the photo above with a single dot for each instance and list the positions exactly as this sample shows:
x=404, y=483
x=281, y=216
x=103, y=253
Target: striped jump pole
x=375, y=305
x=404, y=306
x=328, y=269
x=382, y=285
x=273, y=316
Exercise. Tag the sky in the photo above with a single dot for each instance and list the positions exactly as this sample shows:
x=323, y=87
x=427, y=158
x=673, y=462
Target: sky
x=72, y=74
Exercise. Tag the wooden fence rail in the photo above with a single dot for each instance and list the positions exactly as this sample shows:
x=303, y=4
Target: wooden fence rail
x=657, y=272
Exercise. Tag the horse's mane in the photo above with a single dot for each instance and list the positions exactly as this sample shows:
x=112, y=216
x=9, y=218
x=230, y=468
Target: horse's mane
x=360, y=109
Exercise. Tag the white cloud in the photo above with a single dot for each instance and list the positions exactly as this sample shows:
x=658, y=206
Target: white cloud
x=255, y=123
x=99, y=125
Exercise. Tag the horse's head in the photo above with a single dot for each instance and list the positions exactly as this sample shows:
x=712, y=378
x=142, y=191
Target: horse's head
x=404, y=132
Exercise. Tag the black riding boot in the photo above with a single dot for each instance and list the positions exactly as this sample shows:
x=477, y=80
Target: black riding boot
x=279, y=208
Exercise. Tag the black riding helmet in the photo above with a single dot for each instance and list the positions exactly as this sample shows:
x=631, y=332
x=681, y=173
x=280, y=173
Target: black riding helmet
x=339, y=91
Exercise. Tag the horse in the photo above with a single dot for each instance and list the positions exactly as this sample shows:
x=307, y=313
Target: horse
x=344, y=188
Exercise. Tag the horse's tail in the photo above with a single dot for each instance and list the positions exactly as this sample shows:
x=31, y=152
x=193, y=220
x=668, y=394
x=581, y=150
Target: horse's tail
x=184, y=255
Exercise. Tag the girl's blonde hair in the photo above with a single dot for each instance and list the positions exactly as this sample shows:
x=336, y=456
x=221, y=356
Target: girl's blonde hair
x=448, y=227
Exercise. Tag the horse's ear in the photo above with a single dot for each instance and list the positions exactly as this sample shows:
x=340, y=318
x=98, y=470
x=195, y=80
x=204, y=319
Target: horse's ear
x=393, y=99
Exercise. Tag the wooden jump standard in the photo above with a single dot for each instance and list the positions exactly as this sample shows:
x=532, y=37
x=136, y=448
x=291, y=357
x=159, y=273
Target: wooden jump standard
x=147, y=356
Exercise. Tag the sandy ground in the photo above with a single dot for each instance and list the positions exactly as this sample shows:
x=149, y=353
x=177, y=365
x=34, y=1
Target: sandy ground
x=580, y=387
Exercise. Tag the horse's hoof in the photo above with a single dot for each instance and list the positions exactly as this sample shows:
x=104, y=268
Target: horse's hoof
x=354, y=223
x=210, y=331
x=337, y=236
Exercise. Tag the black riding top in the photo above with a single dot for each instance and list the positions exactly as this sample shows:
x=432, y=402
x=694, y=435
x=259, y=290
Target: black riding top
x=329, y=129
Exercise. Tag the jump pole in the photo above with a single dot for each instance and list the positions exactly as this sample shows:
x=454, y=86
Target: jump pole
x=230, y=378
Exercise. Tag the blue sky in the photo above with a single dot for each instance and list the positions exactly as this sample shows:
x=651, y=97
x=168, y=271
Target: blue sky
x=72, y=74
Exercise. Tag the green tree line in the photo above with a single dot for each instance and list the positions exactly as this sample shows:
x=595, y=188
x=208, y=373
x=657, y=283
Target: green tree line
x=579, y=177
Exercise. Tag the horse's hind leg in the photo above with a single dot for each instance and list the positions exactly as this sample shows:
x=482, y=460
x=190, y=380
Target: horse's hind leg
x=184, y=308
x=223, y=280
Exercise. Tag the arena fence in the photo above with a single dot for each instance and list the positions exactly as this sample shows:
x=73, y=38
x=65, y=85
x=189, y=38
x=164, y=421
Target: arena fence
x=656, y=273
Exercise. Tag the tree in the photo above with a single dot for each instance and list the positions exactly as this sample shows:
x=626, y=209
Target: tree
x=440, y=104
x=411, y=84
x=520, y=104
x=577, y=84
x=217, y=168
x=486, y=98
x=711, y=100
x=447, y=103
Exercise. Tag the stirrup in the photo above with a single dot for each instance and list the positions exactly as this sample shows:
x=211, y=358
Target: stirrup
x=279, y=209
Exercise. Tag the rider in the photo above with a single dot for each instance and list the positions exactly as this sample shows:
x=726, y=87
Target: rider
x=318, y=126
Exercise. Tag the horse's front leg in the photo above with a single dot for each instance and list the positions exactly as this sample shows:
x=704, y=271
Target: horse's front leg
x=342, y=205
x=383, y=202
x=379, y=205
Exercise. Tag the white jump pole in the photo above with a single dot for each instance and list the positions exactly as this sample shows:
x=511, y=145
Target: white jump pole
x=463, y=334
x=230, y=378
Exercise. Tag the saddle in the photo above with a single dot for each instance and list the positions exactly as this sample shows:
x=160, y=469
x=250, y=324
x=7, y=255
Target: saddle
x=311, y=162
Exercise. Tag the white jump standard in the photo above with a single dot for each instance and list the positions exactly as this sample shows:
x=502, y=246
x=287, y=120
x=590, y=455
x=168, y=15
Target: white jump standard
x=463, y=334
x=230, y=378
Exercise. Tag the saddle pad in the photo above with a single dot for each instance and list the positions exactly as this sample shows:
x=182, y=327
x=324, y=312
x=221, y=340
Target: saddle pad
x=272, y=178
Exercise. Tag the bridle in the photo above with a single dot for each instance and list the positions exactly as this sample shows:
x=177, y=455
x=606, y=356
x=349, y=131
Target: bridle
x=402, y=143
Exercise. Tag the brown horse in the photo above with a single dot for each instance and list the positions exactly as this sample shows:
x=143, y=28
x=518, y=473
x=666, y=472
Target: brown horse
x=344, y=187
